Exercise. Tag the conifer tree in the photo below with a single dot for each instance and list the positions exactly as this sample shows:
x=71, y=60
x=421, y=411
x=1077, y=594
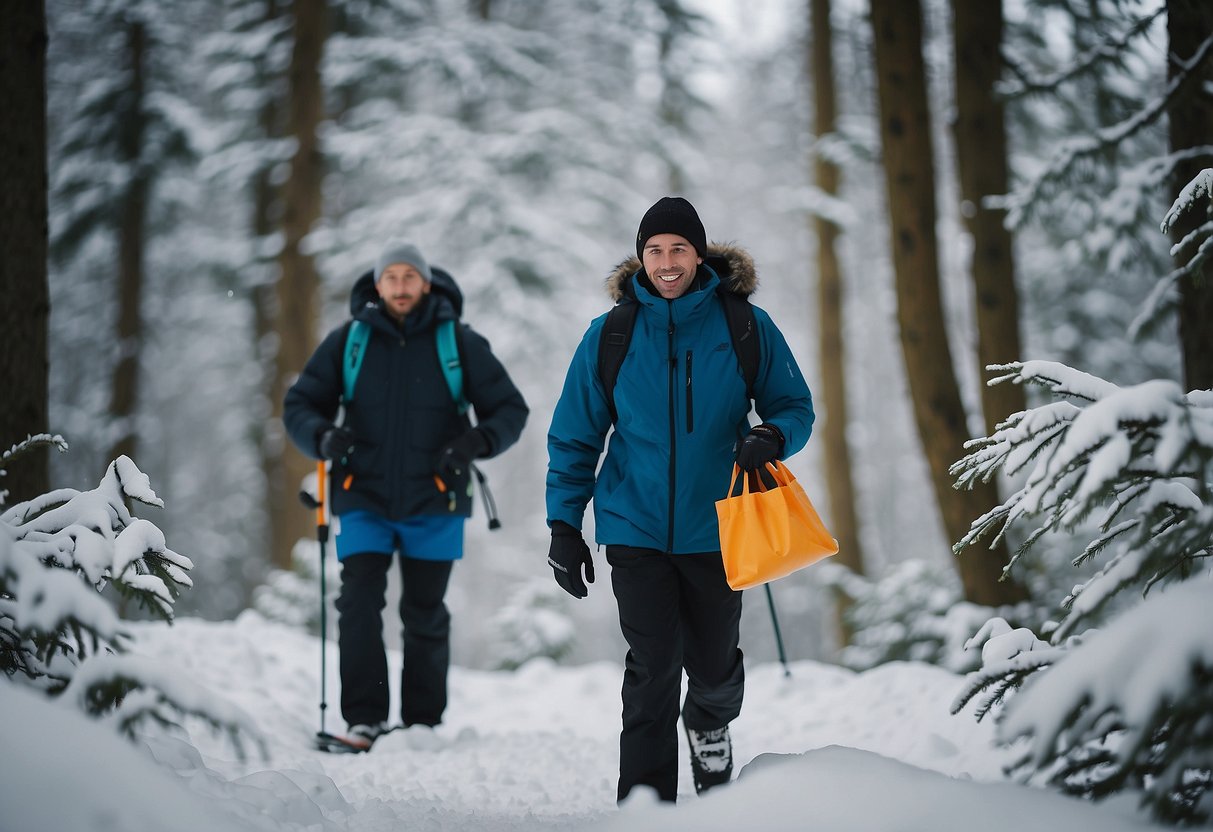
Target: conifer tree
x=1088, y=128
x=1137, y=462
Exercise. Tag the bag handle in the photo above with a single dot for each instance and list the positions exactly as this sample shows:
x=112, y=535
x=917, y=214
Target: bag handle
x=778, y=472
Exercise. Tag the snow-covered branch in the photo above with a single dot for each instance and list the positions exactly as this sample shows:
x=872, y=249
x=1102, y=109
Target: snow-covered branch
x=41, y=440
x=1072, y=153
x=1026, y=82
x=57, y=551
x=59, y=635
x=1141, y=683
x=1120, y=707
x=1145, y=452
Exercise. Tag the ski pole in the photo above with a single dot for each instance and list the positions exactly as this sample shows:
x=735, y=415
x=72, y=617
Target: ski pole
x=322, y=535
x=783, y=658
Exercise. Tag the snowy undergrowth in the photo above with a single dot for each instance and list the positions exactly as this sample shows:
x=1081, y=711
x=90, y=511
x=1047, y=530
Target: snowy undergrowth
x=60, y=637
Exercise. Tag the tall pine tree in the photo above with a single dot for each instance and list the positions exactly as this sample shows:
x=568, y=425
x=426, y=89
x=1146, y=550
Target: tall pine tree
x=23, y=246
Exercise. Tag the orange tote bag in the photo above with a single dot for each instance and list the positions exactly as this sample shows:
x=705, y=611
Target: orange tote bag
x=769, y=533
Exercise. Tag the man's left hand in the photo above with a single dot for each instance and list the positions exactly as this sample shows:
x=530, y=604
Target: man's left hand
x=456, y=458
x=761, y=445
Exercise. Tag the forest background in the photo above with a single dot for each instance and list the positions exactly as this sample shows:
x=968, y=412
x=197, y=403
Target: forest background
x=220, y=172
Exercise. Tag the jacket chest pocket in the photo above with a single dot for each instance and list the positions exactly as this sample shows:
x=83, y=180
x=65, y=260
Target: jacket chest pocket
x=705, y=378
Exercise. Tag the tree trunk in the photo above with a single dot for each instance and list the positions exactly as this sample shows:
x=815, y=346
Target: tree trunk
x=264, y=221
x=905, y=130
x=298, y=282
x=981, y=156
x=23, y=244
x=1189, y=22
x=132, y=216
x=843, y=520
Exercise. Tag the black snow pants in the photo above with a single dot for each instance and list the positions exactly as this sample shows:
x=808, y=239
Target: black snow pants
x=676, y=612
x=365, y=695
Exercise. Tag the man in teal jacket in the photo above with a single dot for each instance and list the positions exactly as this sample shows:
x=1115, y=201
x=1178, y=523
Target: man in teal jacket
x=682, y=410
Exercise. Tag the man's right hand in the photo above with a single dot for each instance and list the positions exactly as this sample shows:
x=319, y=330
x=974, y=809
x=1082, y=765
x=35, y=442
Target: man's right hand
x=336, y=444
x=567, y=556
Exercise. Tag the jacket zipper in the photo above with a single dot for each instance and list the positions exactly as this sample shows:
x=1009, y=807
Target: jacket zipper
x=396, y=484
x=673, y=381
x=690, y=400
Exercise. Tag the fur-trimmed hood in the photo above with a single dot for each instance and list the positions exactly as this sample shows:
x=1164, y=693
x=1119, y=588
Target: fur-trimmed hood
x=732, y=264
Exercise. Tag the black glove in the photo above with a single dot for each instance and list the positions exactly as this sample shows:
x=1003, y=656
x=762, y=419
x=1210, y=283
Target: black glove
x=566, y=557
x=336, y=444
x=761, y=445
x=456, y=458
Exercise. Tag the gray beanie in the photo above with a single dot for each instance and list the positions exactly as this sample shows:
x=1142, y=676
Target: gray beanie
x=403, y=253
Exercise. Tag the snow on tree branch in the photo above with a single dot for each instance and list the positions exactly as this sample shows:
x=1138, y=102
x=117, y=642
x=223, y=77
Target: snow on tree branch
x=1127, y=706
x=1201, y=187
x=1072, y=153
x=59, y=550
x=33, y=441
x=1123, y=677
x=148, y=691
x=40, y=440
x=1028, y=83
x=58, y=634
x=1145, y=450
x=1196, y=195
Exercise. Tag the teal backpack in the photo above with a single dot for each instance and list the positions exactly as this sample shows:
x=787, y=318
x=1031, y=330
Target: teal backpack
x=448, y=358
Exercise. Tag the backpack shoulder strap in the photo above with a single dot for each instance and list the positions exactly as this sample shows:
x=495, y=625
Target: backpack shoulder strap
x=355, y=350
x=743, y=329
x=613, y=348
x=450, y=361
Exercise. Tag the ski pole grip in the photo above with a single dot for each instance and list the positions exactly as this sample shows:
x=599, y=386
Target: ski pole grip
x=320, y=478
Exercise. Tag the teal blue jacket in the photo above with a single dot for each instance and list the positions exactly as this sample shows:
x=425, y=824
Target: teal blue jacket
x=682, y=409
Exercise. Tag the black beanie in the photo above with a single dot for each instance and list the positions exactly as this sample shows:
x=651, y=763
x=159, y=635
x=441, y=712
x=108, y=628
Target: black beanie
x=672, y=215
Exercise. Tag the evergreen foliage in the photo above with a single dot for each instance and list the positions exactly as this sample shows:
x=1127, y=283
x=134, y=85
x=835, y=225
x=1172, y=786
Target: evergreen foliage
x=1086, y=105
x=292, y=596
x=60, y=636
x=533, y=623
x=1136, y=464
x=913, y=611
x=91, y=174
x=1139, y=462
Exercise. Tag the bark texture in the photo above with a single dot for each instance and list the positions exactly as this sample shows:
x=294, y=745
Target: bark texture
x=132, y=222
x=297, y=287
x=23, y=243
x=981, y=156
x=905, y=130
x=844, y=521
x=1189, y=23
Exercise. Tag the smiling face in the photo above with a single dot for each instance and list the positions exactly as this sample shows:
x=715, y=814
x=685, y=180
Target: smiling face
x=670, y=262
x=402, y=287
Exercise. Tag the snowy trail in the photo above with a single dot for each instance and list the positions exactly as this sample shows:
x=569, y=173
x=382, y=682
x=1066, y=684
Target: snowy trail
x=539, y=746
x=534, y=749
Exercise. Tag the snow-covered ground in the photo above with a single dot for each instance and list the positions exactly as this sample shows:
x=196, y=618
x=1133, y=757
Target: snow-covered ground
x=825, y=749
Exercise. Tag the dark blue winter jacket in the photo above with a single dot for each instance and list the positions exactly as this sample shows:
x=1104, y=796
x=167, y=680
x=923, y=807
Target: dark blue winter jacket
x=402, y=412
x=682, y=408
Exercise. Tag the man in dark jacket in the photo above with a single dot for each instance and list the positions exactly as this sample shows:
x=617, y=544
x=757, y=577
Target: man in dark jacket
x=401, y=474
x=682, y=406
